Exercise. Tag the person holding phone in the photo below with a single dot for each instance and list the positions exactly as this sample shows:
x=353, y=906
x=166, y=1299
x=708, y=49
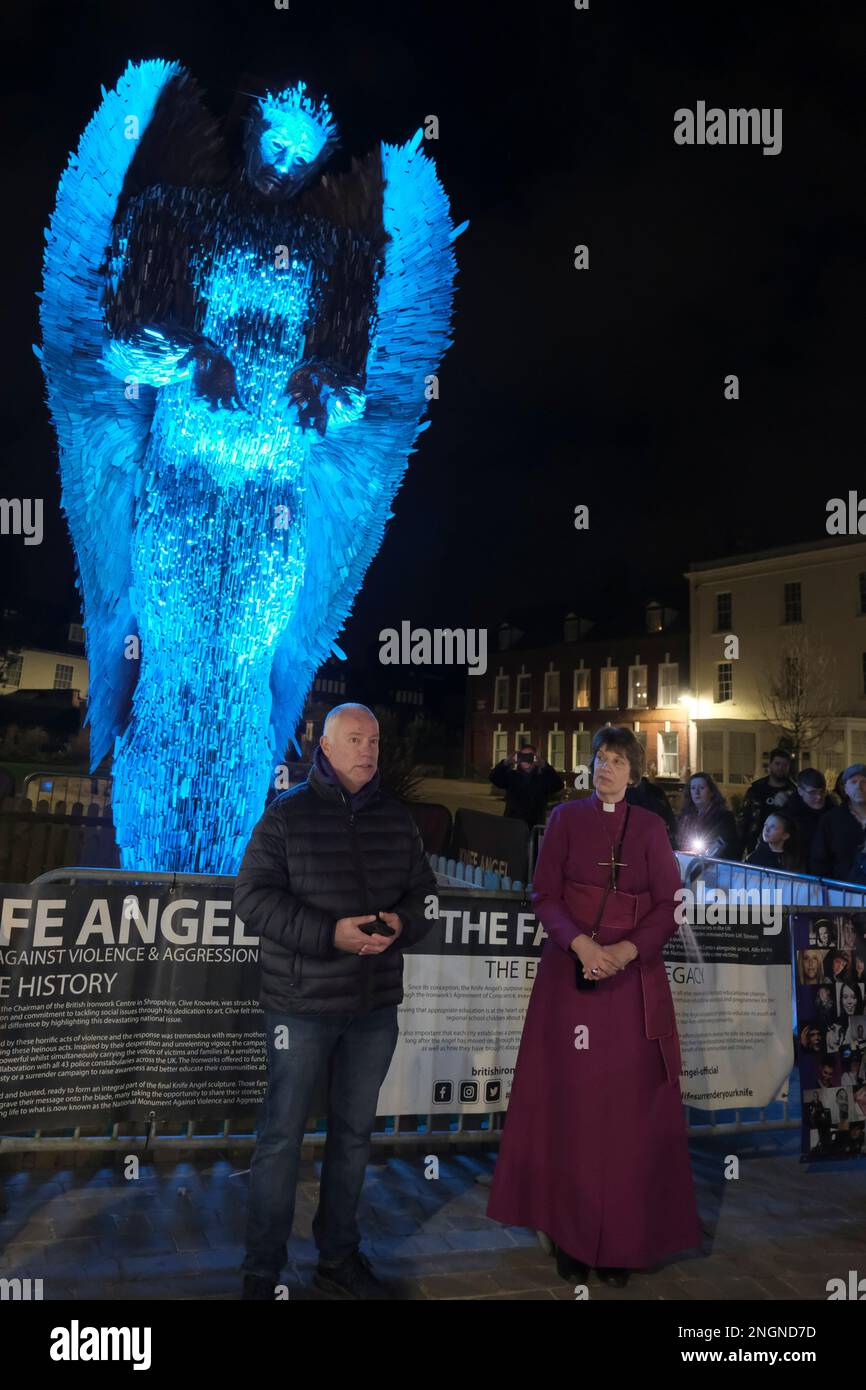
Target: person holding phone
x=529, y=783
x=334, y=882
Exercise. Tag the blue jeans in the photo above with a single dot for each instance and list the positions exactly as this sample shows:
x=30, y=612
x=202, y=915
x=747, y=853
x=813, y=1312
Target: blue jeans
x=357, y=1050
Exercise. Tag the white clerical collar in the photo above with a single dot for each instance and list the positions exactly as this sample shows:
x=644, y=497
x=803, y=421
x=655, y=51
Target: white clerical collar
x=609, y=805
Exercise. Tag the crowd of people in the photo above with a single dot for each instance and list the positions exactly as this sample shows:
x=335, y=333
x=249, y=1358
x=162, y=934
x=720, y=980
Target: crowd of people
x=796, y=825
x=784, y=823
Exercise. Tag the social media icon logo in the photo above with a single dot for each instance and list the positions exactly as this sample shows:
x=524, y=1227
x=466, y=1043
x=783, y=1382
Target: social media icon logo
x=443, y=1092
x=468, y=1092
x=492, y=1090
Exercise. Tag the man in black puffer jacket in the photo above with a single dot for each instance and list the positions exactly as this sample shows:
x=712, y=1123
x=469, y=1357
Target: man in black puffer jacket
x=334, y=882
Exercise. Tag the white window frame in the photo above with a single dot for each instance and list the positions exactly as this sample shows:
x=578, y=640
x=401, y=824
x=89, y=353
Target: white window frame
x=632, y=703
x=665, y=761
x=603, y=703
x=551, y=754
x=666, y=683
x=551, y=677
x=581, y=739
x=582, y=686
x=519, y=707
x=500, y=750
x=61, y=682
x=728, y=699
x=500, y=683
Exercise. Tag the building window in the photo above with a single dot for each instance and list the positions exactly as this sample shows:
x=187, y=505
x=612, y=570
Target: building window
x=500, y=746
x=654, y=617
x=637, y=687
x=858, y=745
x=793, y=603
x=581, y=748
x=524, y=694
x=712, y=755
x=13, y=670
x=556, y=749
x=724, y=612
x=62, y=677
x=500, y=695
x=640, y=735
x=581, y=690
x=308, y=730
x=551, y=690
x=724, y=682
x=522, y=739
x=76, y=632
x=669, y=683
x=863, y=593
x=609, y=688
x=741, y=758
x=669, y=755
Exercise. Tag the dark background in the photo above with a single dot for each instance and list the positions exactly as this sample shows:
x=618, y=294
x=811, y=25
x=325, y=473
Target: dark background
x=563, y=387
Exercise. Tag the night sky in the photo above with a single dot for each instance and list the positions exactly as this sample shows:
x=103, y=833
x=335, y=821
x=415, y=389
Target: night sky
x=563, y=387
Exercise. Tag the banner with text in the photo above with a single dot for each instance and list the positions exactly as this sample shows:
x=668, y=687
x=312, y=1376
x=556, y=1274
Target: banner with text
x=119, y=1004
x=467, y=985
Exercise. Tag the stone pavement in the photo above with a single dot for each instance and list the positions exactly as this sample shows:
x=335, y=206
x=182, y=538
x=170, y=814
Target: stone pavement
x=779, y=1231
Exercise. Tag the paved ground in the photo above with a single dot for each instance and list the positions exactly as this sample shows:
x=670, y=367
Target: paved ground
x=778, y=1232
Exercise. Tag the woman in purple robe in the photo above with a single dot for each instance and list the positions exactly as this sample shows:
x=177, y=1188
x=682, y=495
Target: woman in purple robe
x=594, y=1151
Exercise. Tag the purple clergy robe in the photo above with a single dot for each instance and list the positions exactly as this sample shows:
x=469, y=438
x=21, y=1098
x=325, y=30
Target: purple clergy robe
x=594, y=1151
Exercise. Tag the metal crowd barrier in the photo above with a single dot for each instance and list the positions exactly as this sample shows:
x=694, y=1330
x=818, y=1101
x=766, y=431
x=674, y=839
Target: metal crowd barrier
x=799, y=890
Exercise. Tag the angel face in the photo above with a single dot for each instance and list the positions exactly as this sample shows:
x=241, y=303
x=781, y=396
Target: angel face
x=288, y=139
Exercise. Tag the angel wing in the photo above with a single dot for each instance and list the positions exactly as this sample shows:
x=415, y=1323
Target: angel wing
x=355, y=472
x=151, y=126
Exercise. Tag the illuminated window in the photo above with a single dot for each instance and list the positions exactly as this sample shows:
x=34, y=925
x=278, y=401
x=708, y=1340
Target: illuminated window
x=609, y=688
x=580, y=699
x=62, y=677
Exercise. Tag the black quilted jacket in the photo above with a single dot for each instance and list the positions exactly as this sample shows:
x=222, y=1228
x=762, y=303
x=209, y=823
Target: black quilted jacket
x=310, y=861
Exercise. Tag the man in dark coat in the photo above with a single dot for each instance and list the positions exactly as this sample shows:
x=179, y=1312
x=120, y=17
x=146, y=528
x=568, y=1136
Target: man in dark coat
x=528, y=783
x=334, y=882
x=768, y=794
x=839, y=847
x=807, y=808
x=647, y=794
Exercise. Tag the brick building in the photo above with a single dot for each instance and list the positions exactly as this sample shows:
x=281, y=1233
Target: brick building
x=558, y=677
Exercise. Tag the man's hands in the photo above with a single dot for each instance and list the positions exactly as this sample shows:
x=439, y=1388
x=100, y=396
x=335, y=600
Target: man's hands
x=606, y=960
x=349, y=937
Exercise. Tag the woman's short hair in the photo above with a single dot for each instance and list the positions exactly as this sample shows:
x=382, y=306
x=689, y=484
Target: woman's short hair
x=623, y=740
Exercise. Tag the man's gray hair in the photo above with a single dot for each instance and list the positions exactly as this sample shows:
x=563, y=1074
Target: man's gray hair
x=348, y=708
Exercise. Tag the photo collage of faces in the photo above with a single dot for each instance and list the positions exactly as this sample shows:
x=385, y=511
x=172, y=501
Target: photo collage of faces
x=831, y=1022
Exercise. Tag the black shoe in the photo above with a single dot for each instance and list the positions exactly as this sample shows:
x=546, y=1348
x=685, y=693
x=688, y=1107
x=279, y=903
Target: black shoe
x=614, y=1278
x=352, y=1279
x=258, y=1289
x=568, y=1268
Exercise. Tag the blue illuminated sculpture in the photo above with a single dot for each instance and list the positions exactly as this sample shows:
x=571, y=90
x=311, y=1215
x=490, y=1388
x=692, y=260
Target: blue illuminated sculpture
x=235, y=347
